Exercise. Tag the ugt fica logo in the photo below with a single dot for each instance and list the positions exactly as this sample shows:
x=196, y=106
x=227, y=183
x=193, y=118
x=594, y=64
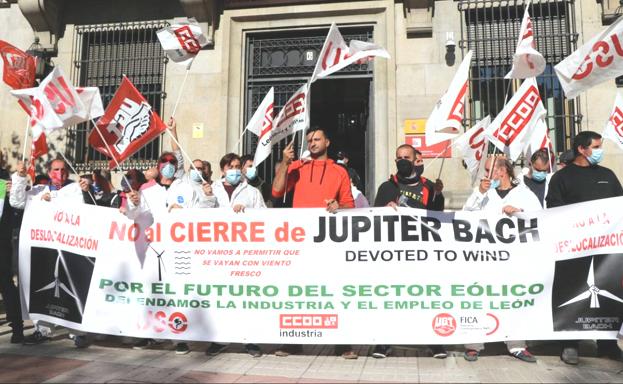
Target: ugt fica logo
x=444, y=324
x=588, y=293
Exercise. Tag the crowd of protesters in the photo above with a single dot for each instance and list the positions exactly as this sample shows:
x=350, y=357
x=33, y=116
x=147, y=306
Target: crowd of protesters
x=314, y=180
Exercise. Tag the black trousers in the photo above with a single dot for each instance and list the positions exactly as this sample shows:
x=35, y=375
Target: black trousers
x=10, y=294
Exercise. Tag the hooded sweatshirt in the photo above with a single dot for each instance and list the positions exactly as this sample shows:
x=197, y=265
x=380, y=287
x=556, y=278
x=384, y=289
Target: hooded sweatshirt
x=315, y=181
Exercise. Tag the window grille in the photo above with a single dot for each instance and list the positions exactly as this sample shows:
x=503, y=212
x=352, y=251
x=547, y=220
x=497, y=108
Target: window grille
x=102, y=54
x=286, y=60
x=491, y=29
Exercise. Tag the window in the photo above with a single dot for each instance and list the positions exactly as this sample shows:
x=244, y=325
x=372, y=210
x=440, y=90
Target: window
x=491, y=30
x=102, y=54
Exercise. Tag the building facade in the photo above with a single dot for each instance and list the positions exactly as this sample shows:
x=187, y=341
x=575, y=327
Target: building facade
x=368, y=109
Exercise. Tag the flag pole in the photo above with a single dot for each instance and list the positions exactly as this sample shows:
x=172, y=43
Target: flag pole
x=74, y=171
x=495, y=147
x=177, y=102
x=111, y=154
x=181, y=92
x=239, y=141
x=184, y=153
x=25, y=139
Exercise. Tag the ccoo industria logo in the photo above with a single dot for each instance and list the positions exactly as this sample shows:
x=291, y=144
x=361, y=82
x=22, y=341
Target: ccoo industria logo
x=308, y=321
x=587, y=294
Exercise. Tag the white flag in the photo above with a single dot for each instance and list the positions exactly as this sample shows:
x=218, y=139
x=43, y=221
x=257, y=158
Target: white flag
x=53, y=104
x=539, y=139
x=335, y=54
x=292, y=118
x=513, y=127
x=183, y=41
x=598, y=60
x=472, y=145
x=92, y=101
x=261, y=124
x=527, y=61
x=614, y=126
x=446, y=120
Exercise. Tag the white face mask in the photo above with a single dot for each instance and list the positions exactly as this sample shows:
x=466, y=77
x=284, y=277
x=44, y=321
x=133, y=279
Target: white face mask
x=251, y=173
x=195, y=176
x=233, y=176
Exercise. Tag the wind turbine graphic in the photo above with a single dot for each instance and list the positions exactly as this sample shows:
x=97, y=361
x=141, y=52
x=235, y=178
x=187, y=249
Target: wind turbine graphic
x=57, y=284
x=160, y=262
x=593, y=292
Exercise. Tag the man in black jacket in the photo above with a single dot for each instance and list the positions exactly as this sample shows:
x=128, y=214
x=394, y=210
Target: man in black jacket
x=583, y=180
x=408, y=187
x=8, y=290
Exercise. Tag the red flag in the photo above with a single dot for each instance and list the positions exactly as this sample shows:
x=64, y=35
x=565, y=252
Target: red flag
x=127, y=125
x=19, y=67
x=39, y=148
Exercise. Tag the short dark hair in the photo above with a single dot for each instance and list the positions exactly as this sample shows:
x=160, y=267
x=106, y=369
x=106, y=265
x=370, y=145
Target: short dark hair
x=584, y=139
x=207, y=166
x=48, y=165
x=41, y=179
x=244, y=159
x=136, y=175
x=411, y=147
x=541, y=154
x=566, y=157
x=316, y=128
x=227, y=159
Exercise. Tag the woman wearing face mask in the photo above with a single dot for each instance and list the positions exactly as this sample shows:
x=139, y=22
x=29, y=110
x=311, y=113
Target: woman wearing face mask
x=502, y=193
x=233, y=190
x=168, y=192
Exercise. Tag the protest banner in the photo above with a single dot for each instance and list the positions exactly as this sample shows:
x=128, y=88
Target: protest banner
x=308, y=276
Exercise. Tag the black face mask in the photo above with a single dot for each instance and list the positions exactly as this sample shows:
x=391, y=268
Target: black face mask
x=406, y=169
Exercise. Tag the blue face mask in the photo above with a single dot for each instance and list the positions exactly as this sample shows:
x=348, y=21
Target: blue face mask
x=494, y=184
x=251, y=173
x=97, y=188
x=195, y=176
x=596, y=156
x=232, y=176
x=168, y=171
x=538, y=175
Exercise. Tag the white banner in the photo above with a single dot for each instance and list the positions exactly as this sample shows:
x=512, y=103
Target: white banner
x=183, y=41
x=335, y=54
x=261, y=124
x=472, y=145
x=355, y=277
x=614, y=127
x=446, y=119
x=527, y=61
x=598, y=60
x=513, y=127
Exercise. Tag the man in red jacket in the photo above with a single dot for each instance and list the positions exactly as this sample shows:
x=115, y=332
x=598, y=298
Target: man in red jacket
x=317, y=183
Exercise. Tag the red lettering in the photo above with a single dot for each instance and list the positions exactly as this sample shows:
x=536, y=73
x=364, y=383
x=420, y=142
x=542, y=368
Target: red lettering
x=602, y=60
x=174, y=236
x=187, y=40
x=116, y=230
x=257, y=231
x=220, y=231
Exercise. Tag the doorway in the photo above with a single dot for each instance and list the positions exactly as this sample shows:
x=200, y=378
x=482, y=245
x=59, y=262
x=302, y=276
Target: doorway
x=341, y=107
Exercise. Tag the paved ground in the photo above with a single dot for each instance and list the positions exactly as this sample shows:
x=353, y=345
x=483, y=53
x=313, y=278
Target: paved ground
x=111, y=361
